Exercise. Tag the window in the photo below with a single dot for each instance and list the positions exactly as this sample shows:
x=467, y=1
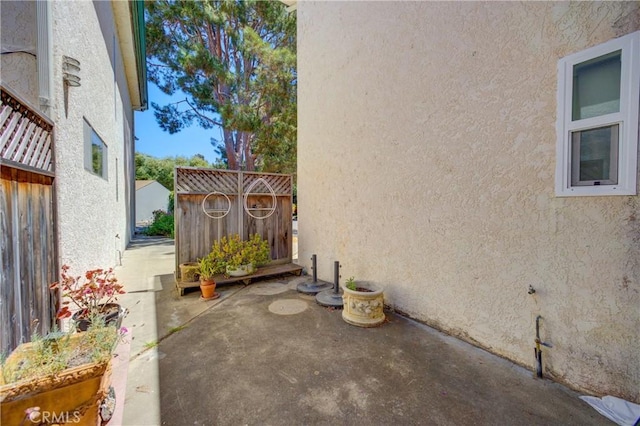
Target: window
x=95, y=152
x=598, y=97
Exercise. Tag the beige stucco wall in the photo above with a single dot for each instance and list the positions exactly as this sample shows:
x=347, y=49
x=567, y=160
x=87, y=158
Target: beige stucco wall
x=426, y=164
x=18, y=39
x=92, y=211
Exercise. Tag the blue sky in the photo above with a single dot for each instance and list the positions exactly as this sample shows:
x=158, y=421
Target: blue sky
x=154, y=141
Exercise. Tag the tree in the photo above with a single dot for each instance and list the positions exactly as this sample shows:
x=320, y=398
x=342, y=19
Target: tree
x=161, y=169
x=236, y=62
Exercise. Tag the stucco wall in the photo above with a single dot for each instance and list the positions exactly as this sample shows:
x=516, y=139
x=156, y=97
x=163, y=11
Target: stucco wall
x=426, y=164
x=92, y=211
x=18, y=38
x=150, y=198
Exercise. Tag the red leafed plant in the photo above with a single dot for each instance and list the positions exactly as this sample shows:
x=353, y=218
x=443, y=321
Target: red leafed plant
x=100, y=287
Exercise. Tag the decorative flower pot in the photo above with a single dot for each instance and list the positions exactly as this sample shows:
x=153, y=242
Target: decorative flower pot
x=208, y=289
x=112, y=314
x=189, y=272
x=73, y=396
x=241, y=270
x=364, y=306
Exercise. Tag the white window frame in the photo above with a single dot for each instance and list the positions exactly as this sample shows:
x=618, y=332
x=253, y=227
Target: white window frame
x=627, y=118
x=90, y=135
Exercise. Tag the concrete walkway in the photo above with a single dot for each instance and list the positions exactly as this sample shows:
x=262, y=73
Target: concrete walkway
x=264, y=354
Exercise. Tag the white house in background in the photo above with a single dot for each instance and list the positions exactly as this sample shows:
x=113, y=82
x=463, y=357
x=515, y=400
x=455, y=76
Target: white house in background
x=461, y=152
x=82, y=65
x=151, y=195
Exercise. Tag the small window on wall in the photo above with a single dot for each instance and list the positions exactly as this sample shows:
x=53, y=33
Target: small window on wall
x=598, y=97
x=95, y=152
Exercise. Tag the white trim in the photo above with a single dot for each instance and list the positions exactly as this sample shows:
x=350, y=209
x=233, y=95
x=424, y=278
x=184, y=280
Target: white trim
x=627, y=118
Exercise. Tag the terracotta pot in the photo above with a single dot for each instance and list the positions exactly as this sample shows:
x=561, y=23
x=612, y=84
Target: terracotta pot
x=113, y=314
x=363, y=308
x=208, y=288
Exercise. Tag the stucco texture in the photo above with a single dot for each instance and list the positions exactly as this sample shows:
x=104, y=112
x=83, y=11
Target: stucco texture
x=18, y=39
x=92, y=211
x=426, y=160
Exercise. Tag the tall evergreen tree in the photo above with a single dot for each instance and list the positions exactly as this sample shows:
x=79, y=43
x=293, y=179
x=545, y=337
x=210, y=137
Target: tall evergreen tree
x=236, y=61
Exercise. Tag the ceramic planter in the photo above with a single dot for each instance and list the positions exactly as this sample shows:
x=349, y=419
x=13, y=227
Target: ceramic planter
x=114, y=314
x=241, y=270
x=363, y=308
x=189, y=272
x=73, y=396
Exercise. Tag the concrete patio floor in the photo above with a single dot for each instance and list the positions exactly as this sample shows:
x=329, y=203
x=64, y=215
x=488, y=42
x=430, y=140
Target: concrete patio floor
x=264, y=354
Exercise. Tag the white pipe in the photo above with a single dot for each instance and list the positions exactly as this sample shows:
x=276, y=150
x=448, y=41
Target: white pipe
x=44, y=56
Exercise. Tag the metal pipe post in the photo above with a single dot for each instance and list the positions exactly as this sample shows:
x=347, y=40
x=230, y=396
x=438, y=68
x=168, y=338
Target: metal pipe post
x=315, y=269
x=332, y=297
x=315, y=286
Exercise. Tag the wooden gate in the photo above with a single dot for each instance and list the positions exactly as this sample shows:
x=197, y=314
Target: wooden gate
x=268, y=212
x=28, y=263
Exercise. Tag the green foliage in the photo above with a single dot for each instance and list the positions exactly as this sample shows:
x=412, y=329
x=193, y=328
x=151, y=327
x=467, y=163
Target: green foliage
x=58, y=351
x=44, y=357
x=208, y=267
x=151, y=345
x=233, y=252
x=99, y=340
x=161, y=169
x=172, y=202
x=162, y=224
x=236, y=62
x=173, y=330
x=351, y=284
x=96, y=159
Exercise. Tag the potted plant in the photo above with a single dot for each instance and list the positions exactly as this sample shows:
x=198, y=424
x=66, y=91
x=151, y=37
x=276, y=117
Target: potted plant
x=94, y=295
x=189, y=272
x=66, y=375
x=363, y=303
x=208, y=267
x=241, y=257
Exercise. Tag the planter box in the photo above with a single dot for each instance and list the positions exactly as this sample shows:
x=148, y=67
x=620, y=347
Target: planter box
x=71, y=396
x=241, y=270
x=189, y=272
x=363, y=308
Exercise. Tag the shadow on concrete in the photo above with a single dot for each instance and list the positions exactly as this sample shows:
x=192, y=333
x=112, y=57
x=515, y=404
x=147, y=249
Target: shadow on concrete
x=265, y=354
x=140, y=241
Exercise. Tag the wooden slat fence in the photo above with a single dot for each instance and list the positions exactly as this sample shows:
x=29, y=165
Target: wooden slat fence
x=195, y=232
x=28, y=260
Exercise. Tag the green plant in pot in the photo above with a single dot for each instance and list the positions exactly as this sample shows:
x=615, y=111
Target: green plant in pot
x=241, y=257
x=64, y=372
x=208, y=268
x=92, y=296
x=363, y=303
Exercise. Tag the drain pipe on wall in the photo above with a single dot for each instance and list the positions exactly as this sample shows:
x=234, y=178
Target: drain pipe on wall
x=118, y=251
x=537, y=349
